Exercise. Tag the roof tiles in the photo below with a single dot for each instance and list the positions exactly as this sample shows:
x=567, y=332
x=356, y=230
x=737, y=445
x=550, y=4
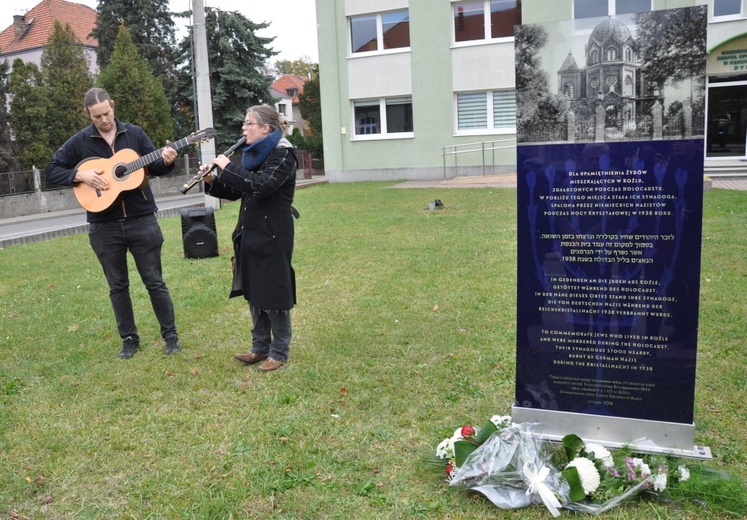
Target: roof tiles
x=40, y=25
x=290, y=81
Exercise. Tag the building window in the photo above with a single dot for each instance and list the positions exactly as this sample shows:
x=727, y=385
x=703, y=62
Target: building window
x=632, y=6
x=727, y=7
x=376, y=32
x=485, y=19
x=399, y=115
x=469, y=21
x=504, y=14
x=472, y=111
x=491, y=110
x=594, y=8
x=368, y=124
x=383, y=117
x=395, y=29
x=363, y=33
x=504, y=109
x=611, y=54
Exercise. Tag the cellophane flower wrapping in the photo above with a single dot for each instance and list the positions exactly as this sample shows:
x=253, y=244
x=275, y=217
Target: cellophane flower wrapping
x=598, y=509
x=503, y=469
x=514, y=466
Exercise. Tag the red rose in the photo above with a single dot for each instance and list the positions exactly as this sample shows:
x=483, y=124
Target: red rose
x=468, y=431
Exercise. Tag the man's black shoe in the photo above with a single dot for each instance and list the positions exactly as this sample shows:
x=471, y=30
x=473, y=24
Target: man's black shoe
x=129, y=347
x=172, y=346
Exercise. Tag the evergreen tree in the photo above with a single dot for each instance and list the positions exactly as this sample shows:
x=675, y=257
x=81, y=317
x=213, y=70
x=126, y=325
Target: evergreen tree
x=153, y=32
x=5, y=143
x=237, y=57
x=535, y=105
x=28, y=115
x=151, y=28
x=673, y=44
x=310, y=104
x=65, y=72
x=138, y=94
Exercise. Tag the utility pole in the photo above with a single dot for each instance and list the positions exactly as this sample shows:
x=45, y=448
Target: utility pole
x=202, y=84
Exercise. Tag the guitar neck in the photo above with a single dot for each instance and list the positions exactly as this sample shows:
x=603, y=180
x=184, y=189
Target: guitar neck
x=152, y=157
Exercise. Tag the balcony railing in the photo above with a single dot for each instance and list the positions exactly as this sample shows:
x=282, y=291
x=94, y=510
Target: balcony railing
x=486, y=149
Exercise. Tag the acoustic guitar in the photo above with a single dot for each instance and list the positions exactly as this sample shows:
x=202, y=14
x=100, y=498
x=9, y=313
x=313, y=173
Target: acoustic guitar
x=124, y=171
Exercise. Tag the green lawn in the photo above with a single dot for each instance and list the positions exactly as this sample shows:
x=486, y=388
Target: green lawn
x=404, y=330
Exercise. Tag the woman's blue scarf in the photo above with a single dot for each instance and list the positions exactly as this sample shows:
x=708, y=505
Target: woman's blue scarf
x=256, y=153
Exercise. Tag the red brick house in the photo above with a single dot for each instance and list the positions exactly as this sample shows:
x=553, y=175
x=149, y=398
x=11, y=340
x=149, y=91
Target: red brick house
x=28, y=34
x=285, y=90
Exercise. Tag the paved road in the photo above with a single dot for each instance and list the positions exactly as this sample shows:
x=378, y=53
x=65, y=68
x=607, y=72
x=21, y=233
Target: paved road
x=45, y=226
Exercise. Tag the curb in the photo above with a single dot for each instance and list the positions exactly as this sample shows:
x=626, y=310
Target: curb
x=83, y=228
x=75, y=230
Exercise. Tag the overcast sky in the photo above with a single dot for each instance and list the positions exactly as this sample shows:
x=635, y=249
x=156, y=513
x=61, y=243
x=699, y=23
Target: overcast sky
x=293, y=22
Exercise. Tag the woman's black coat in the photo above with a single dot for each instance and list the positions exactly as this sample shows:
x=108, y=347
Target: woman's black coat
x=263, y=238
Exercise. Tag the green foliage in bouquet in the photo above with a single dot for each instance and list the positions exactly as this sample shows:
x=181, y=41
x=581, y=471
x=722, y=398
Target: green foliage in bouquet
x=572, y=445
x=614, y=477
x=473, y=439
x=501, y=457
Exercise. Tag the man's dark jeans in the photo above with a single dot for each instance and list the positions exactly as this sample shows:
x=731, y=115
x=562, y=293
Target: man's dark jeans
x=143, y=238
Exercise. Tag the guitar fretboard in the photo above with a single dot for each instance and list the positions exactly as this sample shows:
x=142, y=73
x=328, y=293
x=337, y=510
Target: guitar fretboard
x=152, y=157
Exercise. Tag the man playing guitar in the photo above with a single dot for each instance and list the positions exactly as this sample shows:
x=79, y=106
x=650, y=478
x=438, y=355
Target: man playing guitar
x=129, y=224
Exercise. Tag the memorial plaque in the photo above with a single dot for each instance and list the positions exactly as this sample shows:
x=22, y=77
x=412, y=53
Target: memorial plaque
x=610, y=190
x=608, y=276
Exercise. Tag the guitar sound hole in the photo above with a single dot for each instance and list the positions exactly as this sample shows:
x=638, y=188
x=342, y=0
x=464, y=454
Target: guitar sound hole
x=120, y=171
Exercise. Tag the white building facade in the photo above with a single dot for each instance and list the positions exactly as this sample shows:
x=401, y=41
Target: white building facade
x=425, y=89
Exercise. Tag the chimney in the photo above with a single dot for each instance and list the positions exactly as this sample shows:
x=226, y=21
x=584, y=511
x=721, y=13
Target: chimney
x=19, y=24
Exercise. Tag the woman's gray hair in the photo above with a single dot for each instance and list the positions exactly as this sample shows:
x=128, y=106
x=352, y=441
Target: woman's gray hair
x=266, y=115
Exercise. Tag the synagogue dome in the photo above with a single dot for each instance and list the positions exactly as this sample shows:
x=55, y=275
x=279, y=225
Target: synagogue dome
x=610, y=28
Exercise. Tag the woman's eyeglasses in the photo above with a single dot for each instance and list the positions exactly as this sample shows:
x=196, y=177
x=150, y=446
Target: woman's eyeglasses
x=249, y=123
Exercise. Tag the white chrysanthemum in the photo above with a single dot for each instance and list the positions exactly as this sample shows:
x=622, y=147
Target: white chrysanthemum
x=501, y=421
x=445, y=450
x=660, y=482
x=684, y=473
x=601, y=453
x=642, y=467
x=587, y=472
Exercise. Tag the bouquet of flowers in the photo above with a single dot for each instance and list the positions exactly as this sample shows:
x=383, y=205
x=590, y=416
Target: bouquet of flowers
x=513, y=466
x=505, y=462
x=600, y=480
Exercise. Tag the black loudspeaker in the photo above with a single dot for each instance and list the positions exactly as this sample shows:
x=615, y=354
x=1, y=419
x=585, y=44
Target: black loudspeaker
x=198, y=232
